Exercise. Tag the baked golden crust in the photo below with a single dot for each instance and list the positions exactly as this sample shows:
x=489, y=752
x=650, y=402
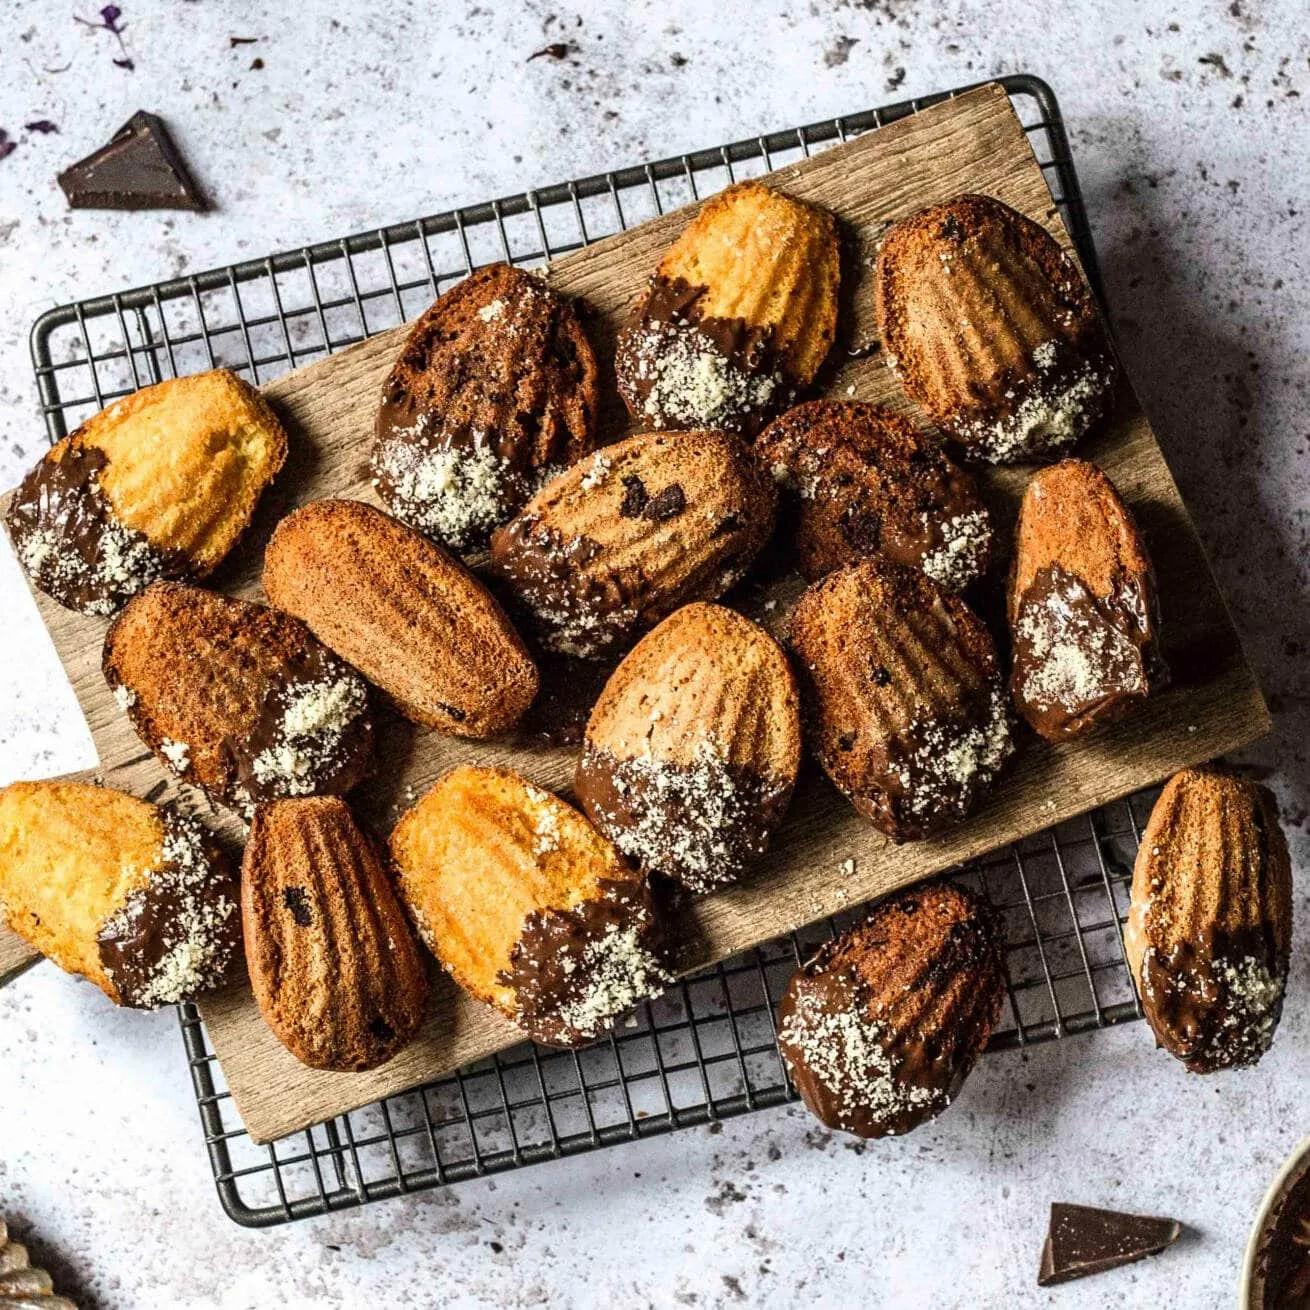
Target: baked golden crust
x=495, y=386
x=526, y=905
x=1209, y=925
x=1084, y=616
x=740, y=314
x=160, y=484
x=236, y=698
x=992, y=329
x=691, y=751
x=907, y=711
x=862, y=480
x=131, y=896
x=880, y=1029
x=333, y=964
x=409, y=617
x=632, y=532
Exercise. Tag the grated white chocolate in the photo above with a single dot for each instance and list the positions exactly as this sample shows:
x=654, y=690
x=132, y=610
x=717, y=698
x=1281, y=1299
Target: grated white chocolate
x=959, y=559
x=845, y=1052
x=620, y=972
x=177, y=753
x=124, y=697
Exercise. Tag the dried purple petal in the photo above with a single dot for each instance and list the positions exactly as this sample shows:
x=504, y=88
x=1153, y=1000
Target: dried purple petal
x=556, y=50
x=7, y=146
x=42, y=125
x=109, y=16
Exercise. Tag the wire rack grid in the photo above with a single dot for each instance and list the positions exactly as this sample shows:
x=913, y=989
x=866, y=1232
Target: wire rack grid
x=707, y=1049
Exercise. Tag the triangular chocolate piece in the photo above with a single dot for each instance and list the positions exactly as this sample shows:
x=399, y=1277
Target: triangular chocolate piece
x=139, y=169
x=1084, y=1241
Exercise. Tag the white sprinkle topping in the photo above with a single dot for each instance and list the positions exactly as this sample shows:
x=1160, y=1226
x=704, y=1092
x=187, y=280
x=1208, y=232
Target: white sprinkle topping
x=492, y=310
x=620, y=972
x=596, y=472
x=177, y=753
x=959, y=559
x=124, y=697
x=315, y=717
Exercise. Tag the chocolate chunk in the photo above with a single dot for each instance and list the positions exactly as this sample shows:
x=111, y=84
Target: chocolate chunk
x=1083, y=1240
x=635, y=497
x=139, y=169
x=667, y=505
x=297, y=902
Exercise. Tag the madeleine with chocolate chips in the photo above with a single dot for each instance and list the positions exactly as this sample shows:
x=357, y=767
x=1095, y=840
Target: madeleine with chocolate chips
x=527, y=906
x=861, y=480
x=738, y=318
x=1209, y=927
x=135, y=897
x=880, y=1029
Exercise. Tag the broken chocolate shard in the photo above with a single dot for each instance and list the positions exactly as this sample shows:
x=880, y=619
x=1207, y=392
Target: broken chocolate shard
x=1083, y=1240
x=139, y=169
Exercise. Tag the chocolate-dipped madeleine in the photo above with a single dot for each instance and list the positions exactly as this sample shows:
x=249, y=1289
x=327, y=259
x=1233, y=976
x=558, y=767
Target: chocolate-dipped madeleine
x=738, y=317
x=527, y=905
x=630, y=533
x=334, y=967
x=992, y=330
x=158, y=485
x=692, y=749
x=904, y=700
x=241, y=700
x=880, y=1029
x=862, y=480
x=1210, y=922
x=407, y=615
x=494, y=388
x=135, y=897
x=1084, y=618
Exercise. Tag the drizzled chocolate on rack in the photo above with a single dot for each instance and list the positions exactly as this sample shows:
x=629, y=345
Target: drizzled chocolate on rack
x=494, y=390
x=737, y=318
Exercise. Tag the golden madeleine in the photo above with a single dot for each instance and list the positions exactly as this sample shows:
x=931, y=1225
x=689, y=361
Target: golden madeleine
x=739, y=315
x=158, y=485
x=132, y=896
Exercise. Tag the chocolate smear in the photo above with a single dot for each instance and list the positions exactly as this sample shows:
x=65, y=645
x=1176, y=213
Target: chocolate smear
x=139, y=169
x=1083, y=1240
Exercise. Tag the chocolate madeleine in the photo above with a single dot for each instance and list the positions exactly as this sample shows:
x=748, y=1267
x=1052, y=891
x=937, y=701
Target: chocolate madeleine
x=992, y=330
x=526, y=905
x=632, y=532
x=691, y=751
x=1084, y=618
x=1209, y=926
x=860, y=480
x=408, y=616
x=137, y=898
x=495, y=388
x=880, y=1029
x=159, y=485
x=238, y=699
x=334, y=967
x=739, y=315
x=905, y=704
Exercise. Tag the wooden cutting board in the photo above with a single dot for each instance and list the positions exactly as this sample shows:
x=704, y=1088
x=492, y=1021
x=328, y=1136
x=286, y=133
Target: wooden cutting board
x=973, y=143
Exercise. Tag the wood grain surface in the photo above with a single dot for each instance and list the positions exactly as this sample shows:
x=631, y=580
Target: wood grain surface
x=973, y=143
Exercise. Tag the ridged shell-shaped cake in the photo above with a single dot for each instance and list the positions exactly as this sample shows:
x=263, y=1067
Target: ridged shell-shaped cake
x=880, y=1029
x=135, y=897
x=494, y=389
x=1210, y=923
x=692, y=749
x=158, y=485
x=335, y=969
x=992, y=330
x=241, y=700
x=738, y=317
x=1084, y=614
x=630, y=533
x=407, y=615
x=903, y=696
x=527, y=905
x=862, y=480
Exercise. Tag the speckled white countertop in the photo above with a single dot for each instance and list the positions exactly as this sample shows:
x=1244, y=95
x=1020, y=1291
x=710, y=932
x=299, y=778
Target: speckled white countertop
x=1191, y=129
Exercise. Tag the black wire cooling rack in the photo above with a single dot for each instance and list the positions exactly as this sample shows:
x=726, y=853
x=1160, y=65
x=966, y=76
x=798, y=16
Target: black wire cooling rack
x=706, y=1050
